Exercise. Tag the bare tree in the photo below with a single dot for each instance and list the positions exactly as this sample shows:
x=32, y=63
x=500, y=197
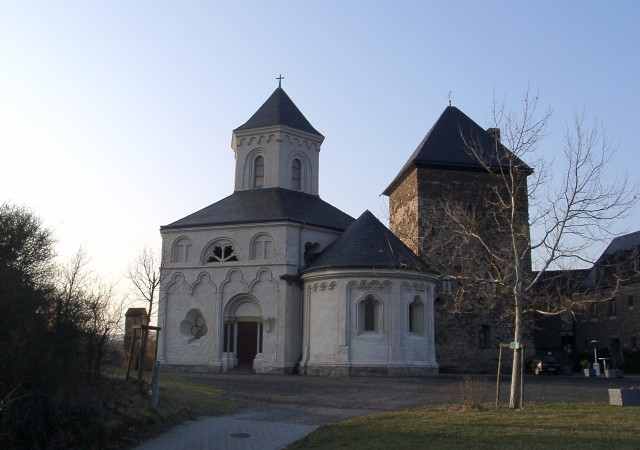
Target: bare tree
x=86, y=313
x=145, y=276
x=104, y=314
x=489, y=247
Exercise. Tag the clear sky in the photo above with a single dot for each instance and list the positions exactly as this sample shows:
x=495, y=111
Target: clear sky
x=116, y=116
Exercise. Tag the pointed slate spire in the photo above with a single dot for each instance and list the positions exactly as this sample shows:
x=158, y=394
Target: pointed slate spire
x=368, y=244
x=279, y=109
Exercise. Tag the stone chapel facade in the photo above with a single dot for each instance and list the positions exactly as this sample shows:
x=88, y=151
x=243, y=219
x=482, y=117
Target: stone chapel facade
x=273, y=279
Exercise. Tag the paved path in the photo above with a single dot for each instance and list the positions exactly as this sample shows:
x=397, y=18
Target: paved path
x=246, y=431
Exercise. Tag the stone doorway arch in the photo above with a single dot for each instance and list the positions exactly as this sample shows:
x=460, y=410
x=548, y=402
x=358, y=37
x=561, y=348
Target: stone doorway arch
x=242, y=333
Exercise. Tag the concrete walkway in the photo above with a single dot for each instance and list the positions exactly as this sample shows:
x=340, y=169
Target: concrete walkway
x=246, y=430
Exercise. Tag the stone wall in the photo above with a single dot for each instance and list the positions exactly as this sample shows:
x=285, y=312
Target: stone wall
x=616, y=330
x=414, y=206
x=403, y=211
x=458, y=340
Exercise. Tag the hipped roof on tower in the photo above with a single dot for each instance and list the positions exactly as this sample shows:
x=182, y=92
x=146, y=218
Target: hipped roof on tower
x=279, y=109
x=446, y=146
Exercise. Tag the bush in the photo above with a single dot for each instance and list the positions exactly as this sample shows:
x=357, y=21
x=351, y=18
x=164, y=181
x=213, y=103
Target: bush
x=469, y=394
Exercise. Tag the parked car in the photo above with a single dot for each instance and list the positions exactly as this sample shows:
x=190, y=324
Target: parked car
x=547, y=363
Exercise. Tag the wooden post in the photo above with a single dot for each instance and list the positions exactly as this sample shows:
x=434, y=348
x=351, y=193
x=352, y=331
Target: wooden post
x=498, y=377
x=521, y=376
x=133, y=340
x=143, y=347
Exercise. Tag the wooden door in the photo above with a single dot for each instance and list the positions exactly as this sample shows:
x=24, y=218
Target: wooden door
x=247, y=343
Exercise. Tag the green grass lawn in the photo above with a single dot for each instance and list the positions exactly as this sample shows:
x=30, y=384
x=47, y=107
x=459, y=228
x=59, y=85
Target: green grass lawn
x=129, y=419
x=563, y=426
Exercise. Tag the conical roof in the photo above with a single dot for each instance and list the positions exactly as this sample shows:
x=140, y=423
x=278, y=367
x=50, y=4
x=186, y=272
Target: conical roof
x=368, y=244
x=279, y=109
x=446, y=146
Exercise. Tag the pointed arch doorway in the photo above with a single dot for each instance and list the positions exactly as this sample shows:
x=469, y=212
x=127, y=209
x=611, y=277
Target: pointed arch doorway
x=243, y=331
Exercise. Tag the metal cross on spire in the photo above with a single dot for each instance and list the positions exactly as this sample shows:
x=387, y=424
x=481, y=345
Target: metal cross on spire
x=280, y=78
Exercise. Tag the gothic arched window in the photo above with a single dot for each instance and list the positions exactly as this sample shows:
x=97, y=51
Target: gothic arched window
x=258, y=173
x=221, y=252
x=416, y=317
x=296, y=175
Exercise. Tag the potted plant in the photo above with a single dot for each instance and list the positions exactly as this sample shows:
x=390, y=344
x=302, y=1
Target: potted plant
x=625, y=396
x=585, y=368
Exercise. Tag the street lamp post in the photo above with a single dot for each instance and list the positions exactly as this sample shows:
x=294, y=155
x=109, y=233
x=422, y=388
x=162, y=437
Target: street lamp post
x=596, y=366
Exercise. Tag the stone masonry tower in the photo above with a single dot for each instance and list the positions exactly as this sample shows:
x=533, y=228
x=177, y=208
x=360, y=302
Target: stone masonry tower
x=444, y=172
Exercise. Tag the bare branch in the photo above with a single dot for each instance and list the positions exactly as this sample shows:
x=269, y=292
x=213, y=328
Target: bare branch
x=483, y=243
x=145, y=276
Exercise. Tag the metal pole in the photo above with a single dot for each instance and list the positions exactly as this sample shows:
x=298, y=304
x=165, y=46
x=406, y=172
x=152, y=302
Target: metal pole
x=155, y=385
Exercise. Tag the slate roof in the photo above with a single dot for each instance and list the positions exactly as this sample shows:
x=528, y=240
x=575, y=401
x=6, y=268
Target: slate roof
x=367, y=244
x=267, y=205
x=279, y=109
x=613, y=254
x=622, y=243
x=444, y=147
x=555, y=281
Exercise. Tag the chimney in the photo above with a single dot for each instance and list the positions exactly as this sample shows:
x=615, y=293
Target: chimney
x=495, y=132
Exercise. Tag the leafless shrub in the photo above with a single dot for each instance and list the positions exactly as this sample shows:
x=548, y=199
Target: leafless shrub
x=469, y=394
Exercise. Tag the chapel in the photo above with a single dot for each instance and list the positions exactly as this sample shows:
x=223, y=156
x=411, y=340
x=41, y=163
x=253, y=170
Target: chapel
x=273, y=279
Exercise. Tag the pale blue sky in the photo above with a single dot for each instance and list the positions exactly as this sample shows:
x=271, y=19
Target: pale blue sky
x=116, y=116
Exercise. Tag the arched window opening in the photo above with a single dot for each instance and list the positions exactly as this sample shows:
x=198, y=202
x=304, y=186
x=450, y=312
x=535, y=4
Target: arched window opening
x=262, y=247
x=416, y=317
x=258, y=174
x=222, y=253
x=181, y=250
x=369, y=314
x=295, y=175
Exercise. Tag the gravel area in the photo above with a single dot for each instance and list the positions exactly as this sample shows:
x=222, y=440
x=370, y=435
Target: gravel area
x=321, y=400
